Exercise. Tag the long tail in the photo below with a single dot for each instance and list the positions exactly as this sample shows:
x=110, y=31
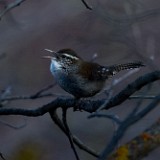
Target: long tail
x=125, y=66
x=112, y=70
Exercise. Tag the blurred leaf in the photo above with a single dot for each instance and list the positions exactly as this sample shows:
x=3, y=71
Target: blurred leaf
x=28, y=151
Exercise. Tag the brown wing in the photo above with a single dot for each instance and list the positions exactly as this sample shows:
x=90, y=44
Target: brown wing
x=94, y=71
x=91, y=71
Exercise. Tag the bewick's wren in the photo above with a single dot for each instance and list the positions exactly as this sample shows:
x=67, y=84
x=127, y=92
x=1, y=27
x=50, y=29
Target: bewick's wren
x=82, y=78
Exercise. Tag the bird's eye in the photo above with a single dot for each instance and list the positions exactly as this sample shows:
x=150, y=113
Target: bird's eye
x=63, y=56
x=66, y=56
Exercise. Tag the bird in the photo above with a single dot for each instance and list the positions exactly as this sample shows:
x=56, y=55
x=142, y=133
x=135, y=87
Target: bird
x=82, y=78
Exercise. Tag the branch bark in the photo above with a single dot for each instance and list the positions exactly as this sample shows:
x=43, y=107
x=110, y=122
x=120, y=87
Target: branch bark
x=87, y=105
x=139, y=146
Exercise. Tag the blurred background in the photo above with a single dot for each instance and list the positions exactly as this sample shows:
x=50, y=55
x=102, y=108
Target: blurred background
x=117, y=32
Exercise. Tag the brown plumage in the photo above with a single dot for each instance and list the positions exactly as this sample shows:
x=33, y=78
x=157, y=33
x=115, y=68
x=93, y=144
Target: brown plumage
x=88, y=70
x=81, y=78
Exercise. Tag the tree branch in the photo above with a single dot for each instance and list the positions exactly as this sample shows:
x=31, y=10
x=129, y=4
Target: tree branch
x=91, y=106
x=86, y=105
x=132, y=88
x=10, y=6
x=130, y=120
x=139, y=146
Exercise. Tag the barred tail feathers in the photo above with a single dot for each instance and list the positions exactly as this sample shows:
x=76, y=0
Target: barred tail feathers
x=117, y=68
x=132, y=65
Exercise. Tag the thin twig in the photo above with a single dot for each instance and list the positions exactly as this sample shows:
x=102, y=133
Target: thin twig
x=12, y=126
x=140, y=101
x=1, y=155
x=10, y=6
x=76, y=140
x=44, y=95
x=109, y=116
x=86, y=5
x=125, y=76
x=84, y=147
x=36, y=95
x=68, y=132
x=109, y=94
x=142, y=97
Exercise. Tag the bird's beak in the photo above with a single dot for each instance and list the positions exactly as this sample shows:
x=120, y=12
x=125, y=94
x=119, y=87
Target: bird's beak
x=49, y=50
x=51, y=57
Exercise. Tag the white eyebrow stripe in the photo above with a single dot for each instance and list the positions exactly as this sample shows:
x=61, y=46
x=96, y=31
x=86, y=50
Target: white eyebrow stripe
x=70, y=56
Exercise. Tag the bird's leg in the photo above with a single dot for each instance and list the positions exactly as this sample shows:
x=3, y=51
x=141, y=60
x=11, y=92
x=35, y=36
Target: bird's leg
x=76, y=105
